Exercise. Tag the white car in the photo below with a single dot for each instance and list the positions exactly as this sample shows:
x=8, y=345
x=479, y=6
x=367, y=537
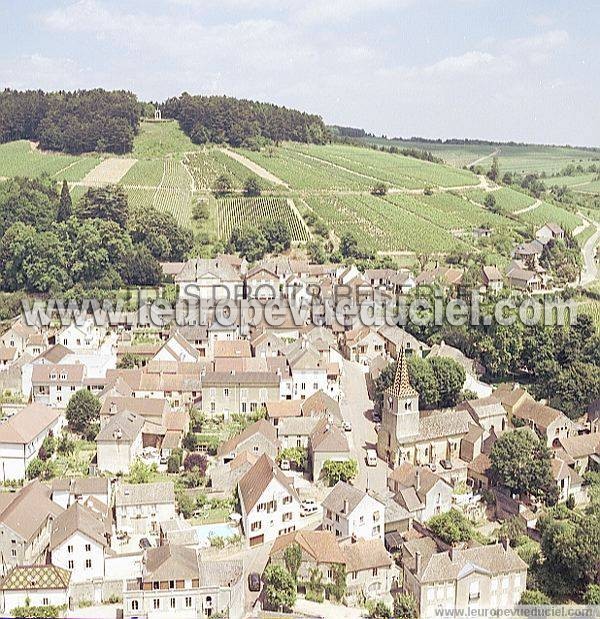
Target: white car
x=371, y=457
x=347, y=426
x=284, y=465
x=308, y=507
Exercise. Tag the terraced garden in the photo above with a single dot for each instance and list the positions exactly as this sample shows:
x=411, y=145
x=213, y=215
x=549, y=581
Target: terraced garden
x=238, y=212
x=548, y=212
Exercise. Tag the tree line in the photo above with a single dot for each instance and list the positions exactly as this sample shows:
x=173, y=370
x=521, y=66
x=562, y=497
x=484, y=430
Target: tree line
x=241, y=122
x=71, y=122
x=49, y=244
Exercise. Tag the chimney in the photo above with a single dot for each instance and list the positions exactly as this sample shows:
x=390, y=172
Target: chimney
x=451, y=553
x=346, y=506
x=505, y=543
x=418, y=479
x=417, y=563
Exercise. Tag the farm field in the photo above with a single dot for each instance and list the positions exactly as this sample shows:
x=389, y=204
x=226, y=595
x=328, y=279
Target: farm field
x=395, y=169
x=593, y=187
x=237, y=212
x=392, y=227
x=574, y=182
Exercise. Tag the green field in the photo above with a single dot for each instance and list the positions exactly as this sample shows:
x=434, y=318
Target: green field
x=507, y=200
x=238, y=212
x=550, y=213
x=22, y=159
x=159, y=139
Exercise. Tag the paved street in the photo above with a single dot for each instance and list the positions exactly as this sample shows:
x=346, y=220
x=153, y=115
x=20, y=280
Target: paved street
x=357, y=408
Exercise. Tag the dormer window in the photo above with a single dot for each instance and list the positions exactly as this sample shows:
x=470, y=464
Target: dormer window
x=63, y=376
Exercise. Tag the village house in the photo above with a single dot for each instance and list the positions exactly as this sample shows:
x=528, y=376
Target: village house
x=34, y=585
x=525, y=279
x=362, y=345
x=320, y=551
x=66, y=491
x=258, y=438
x=550, y=424
x=154, y=410
x=225, y=477
x=353, y=514
x=54, y=384
x=491, y=279
x=549, y=232
x=421, y=492
x=26, y=518
x=568, y=481
x=19, y=336
x=177, y=348
x=80, y=337
x=121, y=440
x=327, y=441
x=488, y=413
x=369, y=570
x=262, y=283
x=238, y=392
x=397, y=339
x=178, y=581
x=270, y=504
x=140, y=507
x=80, y=540
x=22, y=435
x=583, y=451
x=209, y=279
x=439, y=577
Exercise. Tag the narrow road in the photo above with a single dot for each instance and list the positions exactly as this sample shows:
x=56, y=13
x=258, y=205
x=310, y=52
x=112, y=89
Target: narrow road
x=478, y=161
x=531, y=207
x=357, y=408
x=589, y=273
x=254, y=167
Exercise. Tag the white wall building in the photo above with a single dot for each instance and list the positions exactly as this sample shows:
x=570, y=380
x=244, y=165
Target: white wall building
x=22, y=435
x=352, y=513
x=270, y=504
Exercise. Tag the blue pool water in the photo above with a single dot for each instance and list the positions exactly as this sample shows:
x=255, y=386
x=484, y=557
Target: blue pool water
x=222, y=529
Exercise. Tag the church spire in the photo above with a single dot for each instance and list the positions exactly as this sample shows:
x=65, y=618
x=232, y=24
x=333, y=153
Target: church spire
x=402, y=387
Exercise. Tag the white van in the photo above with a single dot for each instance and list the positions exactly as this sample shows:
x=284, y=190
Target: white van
x=371, y=457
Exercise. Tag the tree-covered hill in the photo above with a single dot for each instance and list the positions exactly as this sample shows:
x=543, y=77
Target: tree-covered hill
x=240, y=122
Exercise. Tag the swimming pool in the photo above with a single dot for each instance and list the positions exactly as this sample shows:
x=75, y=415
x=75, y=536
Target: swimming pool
x=220, y=529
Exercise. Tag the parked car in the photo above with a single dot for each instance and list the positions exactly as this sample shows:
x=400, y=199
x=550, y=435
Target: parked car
x=432, y=467
x=254, y=581
x=446, y=464
x=145, y=543
x=376, y=416
x=371, y=457
x=308, y=507
x=347, y=426
x=284, y=465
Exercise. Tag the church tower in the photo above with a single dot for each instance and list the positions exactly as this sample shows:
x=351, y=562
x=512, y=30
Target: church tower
x=400, y=414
